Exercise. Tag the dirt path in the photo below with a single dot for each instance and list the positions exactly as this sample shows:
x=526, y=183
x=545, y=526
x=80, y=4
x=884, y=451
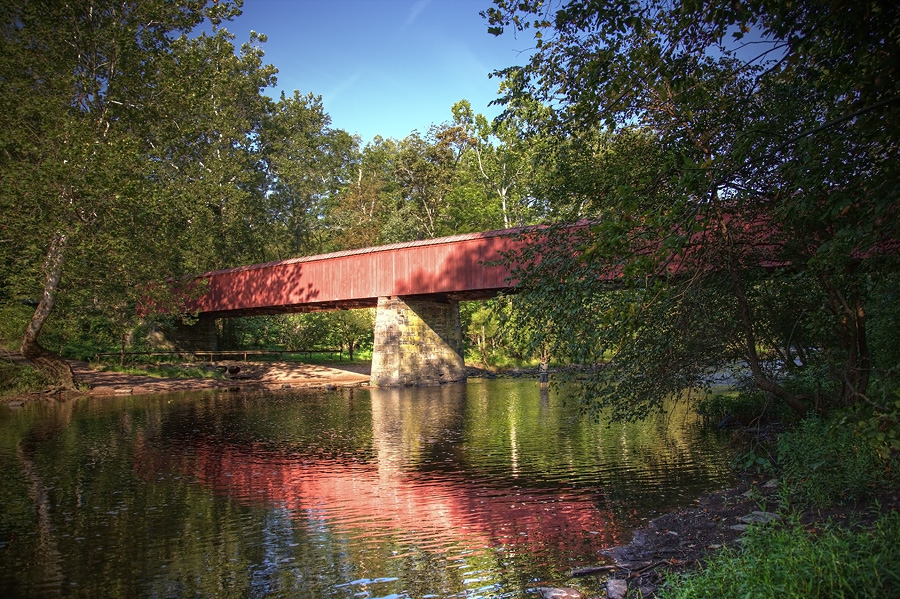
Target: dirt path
x=248, y=375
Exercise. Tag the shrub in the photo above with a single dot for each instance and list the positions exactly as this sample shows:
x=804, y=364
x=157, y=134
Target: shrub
x=746, y=408
x=880, y=426
x=825, y=462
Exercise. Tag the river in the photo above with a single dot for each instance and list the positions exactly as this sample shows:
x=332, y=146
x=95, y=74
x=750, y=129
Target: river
x=480, y=490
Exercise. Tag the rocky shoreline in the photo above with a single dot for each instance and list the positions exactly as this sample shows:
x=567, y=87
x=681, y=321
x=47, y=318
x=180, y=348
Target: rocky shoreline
x=680, y=540
x=235, y=376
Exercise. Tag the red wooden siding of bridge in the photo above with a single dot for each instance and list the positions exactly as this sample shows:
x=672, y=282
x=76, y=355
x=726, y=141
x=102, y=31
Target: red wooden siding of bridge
x=456, y=267
x=451, y=266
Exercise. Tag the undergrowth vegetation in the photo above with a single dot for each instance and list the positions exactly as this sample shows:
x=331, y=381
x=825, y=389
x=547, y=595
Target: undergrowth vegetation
x=824, y=464
x=17, y=380
x=169, y=371
x=788, y=561
x=827, y=461
x=745, y=408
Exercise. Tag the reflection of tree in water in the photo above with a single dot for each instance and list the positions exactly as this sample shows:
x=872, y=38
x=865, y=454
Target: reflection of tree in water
x=47, y=555
x=303, y=492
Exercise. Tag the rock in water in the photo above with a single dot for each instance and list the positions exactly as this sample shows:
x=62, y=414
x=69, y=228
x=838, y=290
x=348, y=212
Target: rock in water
x=566, y=593
x=616, y=588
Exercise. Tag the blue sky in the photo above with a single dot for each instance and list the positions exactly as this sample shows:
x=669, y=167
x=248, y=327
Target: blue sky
x=383, y=67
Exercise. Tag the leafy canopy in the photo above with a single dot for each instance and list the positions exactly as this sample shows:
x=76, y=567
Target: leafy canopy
x=710, y=142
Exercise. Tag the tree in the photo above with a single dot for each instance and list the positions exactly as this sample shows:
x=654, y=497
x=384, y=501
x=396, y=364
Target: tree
x=425, y=172
x=760, y=113
x=368, y=210
x=125, y=143
x=203, y=137
x=505, y=154
x=308, y=163
x=351, y=328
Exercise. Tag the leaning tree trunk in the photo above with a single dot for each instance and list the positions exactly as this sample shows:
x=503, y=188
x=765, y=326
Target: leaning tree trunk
x=43, y=359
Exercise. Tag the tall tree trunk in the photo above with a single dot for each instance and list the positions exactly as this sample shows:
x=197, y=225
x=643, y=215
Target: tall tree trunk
x=43, y=359
x=762, y=381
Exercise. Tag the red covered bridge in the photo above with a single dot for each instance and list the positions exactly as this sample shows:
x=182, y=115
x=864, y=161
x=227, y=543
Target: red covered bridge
x=415, y=286
x=448, y=267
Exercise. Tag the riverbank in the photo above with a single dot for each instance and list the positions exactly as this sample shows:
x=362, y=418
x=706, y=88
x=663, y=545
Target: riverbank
x=234, y=375
x=683, y=541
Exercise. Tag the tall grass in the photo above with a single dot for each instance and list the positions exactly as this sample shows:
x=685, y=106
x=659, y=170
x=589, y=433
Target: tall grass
x=823, y=462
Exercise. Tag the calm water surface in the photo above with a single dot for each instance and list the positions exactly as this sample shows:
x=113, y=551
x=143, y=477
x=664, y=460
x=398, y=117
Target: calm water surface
x=479, y=490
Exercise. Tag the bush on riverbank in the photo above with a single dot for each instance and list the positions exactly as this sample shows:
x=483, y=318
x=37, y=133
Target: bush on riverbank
x=825, y=462
x=743, y=408
x=789, y=561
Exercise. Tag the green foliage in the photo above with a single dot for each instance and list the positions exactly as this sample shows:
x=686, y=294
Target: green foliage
x=503, y=158
x=789, y=562
x=16, y=380
x=757, y=460
x=128, y=156
x=884, y=328
x=701, y=164
x=482, y=331
x=346, y=330
x=824, y=462
x=744, y=408
x=879, y=426
x=307, y=161
x=13, y=319
x=637, y=344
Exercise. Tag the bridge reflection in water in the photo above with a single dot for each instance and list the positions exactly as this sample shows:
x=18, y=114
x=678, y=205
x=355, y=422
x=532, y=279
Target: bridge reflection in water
x=480, y=490
x=409, y=489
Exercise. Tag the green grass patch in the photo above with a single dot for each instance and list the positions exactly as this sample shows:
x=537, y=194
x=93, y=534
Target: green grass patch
x=786, y=562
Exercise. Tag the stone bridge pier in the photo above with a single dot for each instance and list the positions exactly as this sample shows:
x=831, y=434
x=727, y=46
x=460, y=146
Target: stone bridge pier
x=417, y=342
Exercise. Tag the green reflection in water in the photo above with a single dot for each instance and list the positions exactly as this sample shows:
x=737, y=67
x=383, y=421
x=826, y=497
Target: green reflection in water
x=483, y=489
